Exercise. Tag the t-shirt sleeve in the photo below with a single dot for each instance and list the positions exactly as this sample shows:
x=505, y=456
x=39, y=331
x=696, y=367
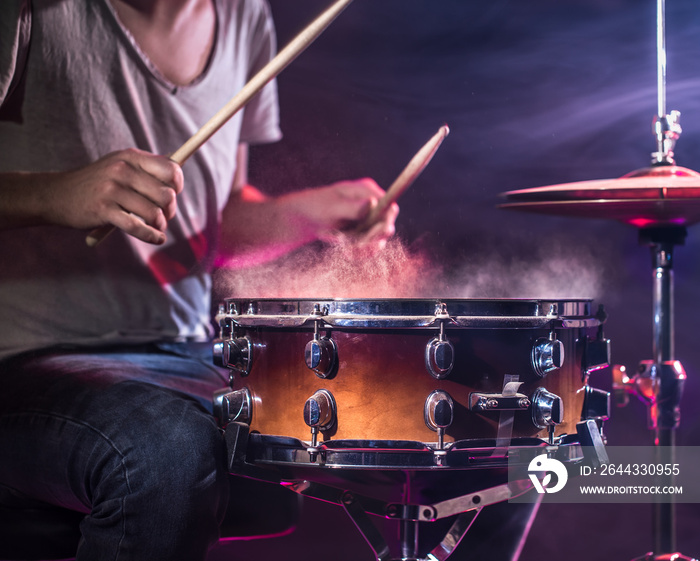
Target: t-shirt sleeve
x=261, y=115
x=15, y=28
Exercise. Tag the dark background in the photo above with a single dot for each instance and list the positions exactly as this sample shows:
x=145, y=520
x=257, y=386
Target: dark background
x=535, y=92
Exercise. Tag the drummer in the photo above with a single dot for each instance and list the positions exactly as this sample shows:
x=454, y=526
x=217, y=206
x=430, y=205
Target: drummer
x=104, y=353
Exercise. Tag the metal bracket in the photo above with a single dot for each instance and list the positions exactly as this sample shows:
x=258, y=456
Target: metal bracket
x=458, y=505
x=594, y=451
x=498, y=402
x=414, y=512
x=236, y=438
x=667, y=129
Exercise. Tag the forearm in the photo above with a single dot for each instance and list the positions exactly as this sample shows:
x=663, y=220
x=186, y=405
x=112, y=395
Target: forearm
x=256, y=229
x=24, y=198
x=130, y=189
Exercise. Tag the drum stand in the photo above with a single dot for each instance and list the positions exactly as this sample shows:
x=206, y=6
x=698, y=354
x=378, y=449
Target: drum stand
x=409, y=516
x=366, y=511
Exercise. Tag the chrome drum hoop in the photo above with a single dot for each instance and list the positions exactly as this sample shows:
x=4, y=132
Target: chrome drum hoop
x=407, y=313
x=284, y=452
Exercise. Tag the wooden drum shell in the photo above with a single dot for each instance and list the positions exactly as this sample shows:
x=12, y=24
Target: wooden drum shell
x=381, y=382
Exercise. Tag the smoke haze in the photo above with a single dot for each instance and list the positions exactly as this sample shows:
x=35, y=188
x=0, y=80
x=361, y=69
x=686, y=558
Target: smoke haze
x=348, y=272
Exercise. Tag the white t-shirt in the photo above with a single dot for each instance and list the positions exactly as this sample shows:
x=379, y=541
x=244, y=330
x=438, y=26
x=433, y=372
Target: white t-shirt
x=74, y=86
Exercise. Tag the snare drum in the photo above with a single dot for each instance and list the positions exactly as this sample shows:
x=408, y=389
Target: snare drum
x=382, y=406
x=398, y=370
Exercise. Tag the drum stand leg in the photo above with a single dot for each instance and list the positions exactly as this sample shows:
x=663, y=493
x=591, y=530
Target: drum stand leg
x=455, y=534
x=409, y=533
x=409, y=539
x=368, y=530
x=465, y=508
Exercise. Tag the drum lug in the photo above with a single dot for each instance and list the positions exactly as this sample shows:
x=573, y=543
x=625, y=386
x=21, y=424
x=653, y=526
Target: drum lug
x=218, y=352
x=596, y=352
x=596, y=355
x=547, y=355
x=237, y=354
x=225, y=332
x=439, y=414
x=233, y=406
x=439, y=355
x=547, y=409
x=321, y=354
x=320, y=413
x=596, y=404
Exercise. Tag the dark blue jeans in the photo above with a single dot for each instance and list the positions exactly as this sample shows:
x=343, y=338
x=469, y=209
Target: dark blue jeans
x=125, y=436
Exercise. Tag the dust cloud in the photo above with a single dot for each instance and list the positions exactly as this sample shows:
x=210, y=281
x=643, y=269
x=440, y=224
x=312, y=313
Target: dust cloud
x=348, y=272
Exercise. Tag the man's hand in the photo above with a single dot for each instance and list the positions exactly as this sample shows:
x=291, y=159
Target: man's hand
x=256, y=228
x=130, y=189
x=334, y=212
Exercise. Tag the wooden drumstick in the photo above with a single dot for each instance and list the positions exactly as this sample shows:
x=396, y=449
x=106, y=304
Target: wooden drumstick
x=293, y=49
x=405, y=178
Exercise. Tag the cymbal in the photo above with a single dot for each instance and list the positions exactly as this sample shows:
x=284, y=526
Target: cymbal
x=655, y=196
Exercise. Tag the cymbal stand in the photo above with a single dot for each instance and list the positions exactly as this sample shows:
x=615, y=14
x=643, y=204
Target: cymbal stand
x=667, y=374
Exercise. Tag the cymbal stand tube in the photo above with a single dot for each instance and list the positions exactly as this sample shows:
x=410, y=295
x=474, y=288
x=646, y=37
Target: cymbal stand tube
x=663, y=513
x=663, y=344
x=661, y=57
x=662, y=242
x=666, y=126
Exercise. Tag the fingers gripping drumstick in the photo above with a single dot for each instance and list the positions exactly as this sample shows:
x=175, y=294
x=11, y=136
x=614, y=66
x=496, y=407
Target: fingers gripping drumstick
x=405, y=178
x=295, y=47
